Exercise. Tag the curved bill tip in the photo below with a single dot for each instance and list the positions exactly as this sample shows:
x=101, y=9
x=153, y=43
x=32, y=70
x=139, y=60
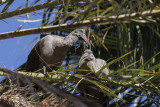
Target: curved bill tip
x=87, y=41
x=81, y=61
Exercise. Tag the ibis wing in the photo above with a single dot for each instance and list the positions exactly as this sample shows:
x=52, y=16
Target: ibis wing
x=99, y=64
x=33, y=59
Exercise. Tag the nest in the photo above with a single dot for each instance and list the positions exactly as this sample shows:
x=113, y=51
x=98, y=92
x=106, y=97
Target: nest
x=13, y=96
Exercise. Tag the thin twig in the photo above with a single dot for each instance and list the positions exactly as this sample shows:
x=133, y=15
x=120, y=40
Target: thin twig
x=28, y=10
x=77, y=85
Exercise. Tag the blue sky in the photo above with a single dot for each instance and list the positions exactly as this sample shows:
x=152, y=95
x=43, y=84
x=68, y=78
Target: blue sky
x=14, y=51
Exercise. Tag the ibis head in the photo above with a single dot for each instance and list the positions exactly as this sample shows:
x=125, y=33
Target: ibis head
x=87, y=56
x=81, y=34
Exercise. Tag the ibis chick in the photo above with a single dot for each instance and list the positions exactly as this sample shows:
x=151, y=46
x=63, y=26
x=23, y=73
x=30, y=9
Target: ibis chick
x=89, y=65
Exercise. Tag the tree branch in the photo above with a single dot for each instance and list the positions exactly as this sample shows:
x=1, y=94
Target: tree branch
x=123, y=18
x=29, y=9
x=77, y=101
x=54, y=77
x=5, y=72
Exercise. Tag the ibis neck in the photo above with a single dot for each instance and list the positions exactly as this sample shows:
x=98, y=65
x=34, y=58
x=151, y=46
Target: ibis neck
x=70, y=40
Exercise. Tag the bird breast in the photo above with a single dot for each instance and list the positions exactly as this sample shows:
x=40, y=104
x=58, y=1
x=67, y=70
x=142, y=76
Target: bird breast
x=94, y=66
x=52, y=49
x=84, y=68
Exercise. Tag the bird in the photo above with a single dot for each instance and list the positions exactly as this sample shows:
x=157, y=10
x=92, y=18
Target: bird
x=89, y=65
x=92, y=64
x=50, y=51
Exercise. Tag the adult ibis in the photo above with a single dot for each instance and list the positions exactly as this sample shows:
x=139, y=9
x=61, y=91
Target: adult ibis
x=50, y=51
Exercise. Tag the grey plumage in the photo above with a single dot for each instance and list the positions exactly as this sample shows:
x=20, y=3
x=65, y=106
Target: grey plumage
x=50, y=51
x=92, y=65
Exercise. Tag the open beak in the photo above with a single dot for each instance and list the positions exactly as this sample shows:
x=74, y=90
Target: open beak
x=84, y=37
x=82, y=60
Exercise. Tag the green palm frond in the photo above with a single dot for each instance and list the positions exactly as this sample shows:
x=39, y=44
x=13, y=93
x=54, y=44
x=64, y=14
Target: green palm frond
x=124, y=32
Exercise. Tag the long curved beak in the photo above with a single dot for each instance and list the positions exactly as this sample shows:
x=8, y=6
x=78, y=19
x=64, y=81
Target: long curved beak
x=82, y=59
x=84, y=37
